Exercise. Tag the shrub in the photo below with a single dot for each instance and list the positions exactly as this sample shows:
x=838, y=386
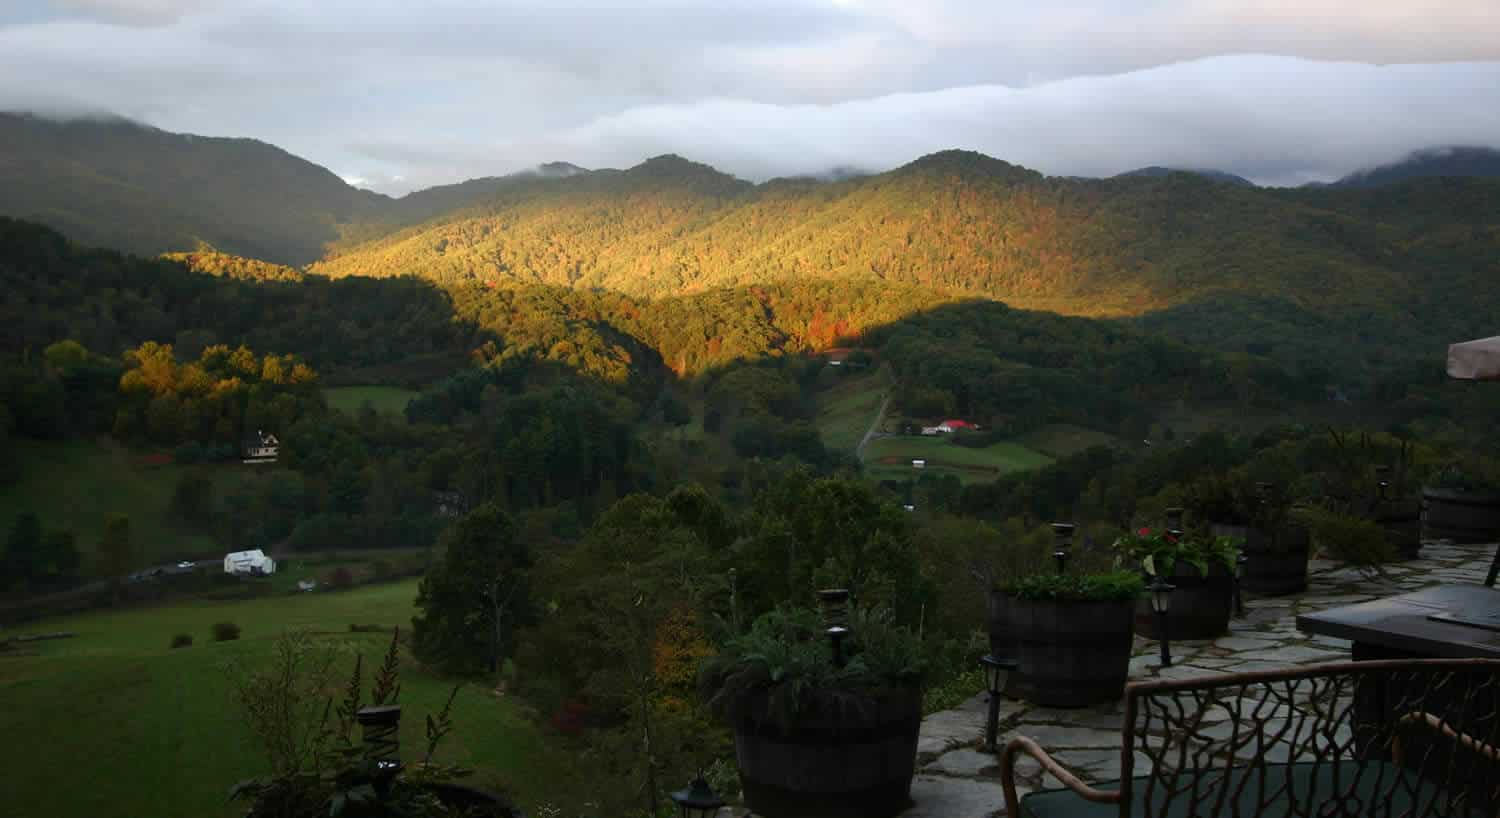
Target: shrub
x=182, y=640
x=339, y=579
x=1116, y=586
x=1471, y=475
x=1354, y=540
x=783, y=668
x=225, y=631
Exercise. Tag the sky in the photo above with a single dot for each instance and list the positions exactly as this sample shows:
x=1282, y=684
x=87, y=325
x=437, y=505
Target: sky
x=396, y=95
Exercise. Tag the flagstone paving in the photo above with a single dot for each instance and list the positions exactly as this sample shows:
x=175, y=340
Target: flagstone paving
x=957, y=780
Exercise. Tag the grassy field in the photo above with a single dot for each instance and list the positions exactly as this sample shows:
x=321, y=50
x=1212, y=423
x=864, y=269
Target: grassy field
x=1061, y=439
x=114, y=723
x=78, y=483
x=890, y=457
x=846, y=409
x=387, y=400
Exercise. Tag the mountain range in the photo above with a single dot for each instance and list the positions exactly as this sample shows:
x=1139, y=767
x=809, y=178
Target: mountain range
x=1185, y=250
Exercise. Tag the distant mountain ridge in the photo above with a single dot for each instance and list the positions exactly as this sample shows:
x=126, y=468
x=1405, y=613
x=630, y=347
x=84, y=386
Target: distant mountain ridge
x=1216, y=175
x=1466, y=161
x=958, y=221
x=117, y=183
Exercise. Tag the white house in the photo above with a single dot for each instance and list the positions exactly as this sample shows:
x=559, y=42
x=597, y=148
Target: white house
x=253, y=562
x=261, y=447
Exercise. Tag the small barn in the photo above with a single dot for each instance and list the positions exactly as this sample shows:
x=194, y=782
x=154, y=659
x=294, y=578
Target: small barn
x=249, y=563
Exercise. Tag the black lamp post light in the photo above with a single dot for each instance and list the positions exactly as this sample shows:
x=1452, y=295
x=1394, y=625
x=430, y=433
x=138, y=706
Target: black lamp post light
x=380, y=729
x=1239, y=580
x=698, y=800
x=1174, y=521
x=996, y=674
x=835, y=605
x=1063, y=532
x=1161, y=603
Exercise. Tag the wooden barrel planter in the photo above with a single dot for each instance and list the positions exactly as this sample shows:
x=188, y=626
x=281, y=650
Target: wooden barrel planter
x=472, y=801
x=1461, y=516
x=1201, y=606
x=1403, y=527
x=1071, y=653
x=1003, y=640
x=858, y=766
x=1271, y=568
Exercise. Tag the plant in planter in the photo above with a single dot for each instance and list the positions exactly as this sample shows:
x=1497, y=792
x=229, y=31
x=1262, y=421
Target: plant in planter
x=803, y=722
x=1358, y=541
x=1202, y=569
x=1461, y=502
x=1073, y=635
x=319, y=769
x=1275, y=543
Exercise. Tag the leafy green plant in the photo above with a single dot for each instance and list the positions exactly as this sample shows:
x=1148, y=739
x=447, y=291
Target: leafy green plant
x=782, y=668
x=1158, y=552
x=1355, y=540
x=1215, y=498
x=953, y=691
x=318, y=767
x=1116, y=586
x=1469, y=475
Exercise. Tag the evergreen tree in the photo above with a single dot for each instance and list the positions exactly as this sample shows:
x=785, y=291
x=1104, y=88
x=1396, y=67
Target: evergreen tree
x=23, y=551
x=475, y=595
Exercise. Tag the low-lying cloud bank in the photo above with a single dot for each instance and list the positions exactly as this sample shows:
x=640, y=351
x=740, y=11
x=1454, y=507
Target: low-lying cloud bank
x=1275, y=120
x=406, y=94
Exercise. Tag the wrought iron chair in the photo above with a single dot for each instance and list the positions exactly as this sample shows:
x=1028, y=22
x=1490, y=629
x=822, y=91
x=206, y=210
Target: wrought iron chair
x=1378, y=739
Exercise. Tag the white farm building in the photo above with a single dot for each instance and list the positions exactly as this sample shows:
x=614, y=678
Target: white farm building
x=249, y=562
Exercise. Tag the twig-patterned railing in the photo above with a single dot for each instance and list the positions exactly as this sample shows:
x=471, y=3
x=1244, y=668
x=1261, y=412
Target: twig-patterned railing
x=1380, y=739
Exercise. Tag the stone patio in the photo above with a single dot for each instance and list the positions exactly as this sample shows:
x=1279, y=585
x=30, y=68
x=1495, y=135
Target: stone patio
x=956, y=780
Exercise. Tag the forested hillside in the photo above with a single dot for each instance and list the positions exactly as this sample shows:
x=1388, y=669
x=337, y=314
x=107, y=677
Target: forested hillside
x=956, y=220
x=116, y=183
x=1450, y=161
x=1341, y=285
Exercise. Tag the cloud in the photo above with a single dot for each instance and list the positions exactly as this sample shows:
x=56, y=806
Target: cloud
x=1274, y=119
x=133, y=12
x=435, y=91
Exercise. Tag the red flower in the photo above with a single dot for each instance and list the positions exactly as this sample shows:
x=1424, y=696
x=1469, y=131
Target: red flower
x=1145, y=532
x=1171, y=538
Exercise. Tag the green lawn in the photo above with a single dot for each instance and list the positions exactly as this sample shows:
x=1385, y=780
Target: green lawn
x=846, y=409
x=114, y=723
x=387, y=400
x=1062, y=439
x=890, y=458
x=78, y=483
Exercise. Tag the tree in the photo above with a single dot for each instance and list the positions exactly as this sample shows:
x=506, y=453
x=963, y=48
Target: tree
x=641, y=567
x=60, y=560
x=23, y=550
x=116, y=553
x=474, y=598
x=192, y=498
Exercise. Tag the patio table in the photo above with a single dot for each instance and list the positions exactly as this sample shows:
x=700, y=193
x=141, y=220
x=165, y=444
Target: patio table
x=1421, y=624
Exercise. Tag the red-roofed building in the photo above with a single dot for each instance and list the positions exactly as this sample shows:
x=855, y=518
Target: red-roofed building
x=948, y=427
